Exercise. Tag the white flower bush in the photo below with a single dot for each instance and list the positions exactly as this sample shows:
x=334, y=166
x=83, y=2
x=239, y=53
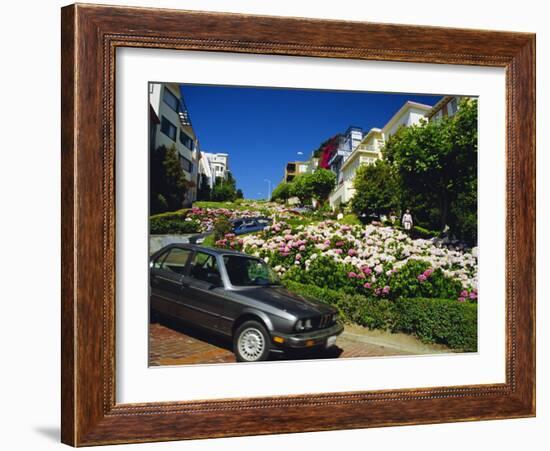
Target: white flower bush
x=207, y=216
x=372, y=250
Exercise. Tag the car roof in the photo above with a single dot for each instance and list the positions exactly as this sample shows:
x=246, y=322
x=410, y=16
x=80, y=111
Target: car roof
x=208, y=250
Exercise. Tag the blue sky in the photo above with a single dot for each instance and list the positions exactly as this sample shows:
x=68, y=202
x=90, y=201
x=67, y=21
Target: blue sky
x=263, y=128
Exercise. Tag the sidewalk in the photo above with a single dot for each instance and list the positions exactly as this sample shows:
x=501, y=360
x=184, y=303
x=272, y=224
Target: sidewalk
x=173, y=344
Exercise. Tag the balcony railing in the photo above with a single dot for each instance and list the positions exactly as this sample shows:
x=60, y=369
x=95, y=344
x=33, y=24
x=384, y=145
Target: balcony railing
x=366, y=148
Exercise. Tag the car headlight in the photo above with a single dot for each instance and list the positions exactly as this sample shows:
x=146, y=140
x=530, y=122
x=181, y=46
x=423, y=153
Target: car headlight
x=335, y=317
x=303, y=324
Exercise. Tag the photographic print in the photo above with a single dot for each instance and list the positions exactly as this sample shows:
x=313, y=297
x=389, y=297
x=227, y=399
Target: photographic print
x=310, y=224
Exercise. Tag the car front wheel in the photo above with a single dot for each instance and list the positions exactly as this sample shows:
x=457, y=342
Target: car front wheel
x=251, y=342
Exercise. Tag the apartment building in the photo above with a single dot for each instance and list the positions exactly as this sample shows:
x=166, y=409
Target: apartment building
x=295, y=168
x=170, y=125
x=212, y=166
x=369, y=150
x=447, y=106
x=346, y=144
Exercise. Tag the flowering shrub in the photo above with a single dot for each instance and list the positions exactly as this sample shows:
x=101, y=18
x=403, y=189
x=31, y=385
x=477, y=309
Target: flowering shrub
x=373, y=260
x=207, y=216
x=418, y=279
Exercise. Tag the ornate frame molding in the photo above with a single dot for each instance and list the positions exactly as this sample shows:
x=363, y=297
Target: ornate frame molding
x=90, y=36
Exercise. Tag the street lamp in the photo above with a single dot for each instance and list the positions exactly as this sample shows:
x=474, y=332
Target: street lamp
x=268, y=189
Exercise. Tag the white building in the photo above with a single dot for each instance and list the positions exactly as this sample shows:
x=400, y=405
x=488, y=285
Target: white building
x=212, y=166
x=369, y=150
x=447, y=106
x=411, y=113
x=170, y=125
x=347, y=143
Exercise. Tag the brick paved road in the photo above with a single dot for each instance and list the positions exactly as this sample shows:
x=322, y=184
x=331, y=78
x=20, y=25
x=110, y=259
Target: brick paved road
x=174, y=344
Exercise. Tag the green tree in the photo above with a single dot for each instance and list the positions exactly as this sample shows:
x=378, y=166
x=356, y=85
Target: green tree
x=168, y=185
x=204, y=192
x=321, y=183
x=437, y=165
x=376, y=189
x=281, y=192
x=301, y=188
x=224, y=189
x=316, y=185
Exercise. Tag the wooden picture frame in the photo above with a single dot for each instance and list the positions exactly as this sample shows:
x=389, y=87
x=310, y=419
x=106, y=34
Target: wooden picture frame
x=90, y=37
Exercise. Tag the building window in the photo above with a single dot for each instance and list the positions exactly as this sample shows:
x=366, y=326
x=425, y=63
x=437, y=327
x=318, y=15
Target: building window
x=168, y=128
x=451, y=109
x=170, y=99
x=186, y=140
x=186, y=164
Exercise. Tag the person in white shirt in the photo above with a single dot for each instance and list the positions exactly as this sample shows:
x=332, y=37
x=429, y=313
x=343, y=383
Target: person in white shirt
x=407, y=220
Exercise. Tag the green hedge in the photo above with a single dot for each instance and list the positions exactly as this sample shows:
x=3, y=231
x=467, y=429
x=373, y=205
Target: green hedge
x=374, y=313
x=172, y=223
x=444, y=321
x=439, y=321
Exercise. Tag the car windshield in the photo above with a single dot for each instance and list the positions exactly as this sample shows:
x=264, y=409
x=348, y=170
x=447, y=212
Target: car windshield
x=247, y=271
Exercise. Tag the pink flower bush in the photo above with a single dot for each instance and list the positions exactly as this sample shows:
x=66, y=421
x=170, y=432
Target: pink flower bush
x=362, y=252
x=428, y=272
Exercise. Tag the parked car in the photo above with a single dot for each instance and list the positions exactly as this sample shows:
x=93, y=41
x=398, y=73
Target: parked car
x=240, y=297
x=248, y=225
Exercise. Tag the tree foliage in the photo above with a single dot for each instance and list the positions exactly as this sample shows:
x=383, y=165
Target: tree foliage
x=316, y=185
x=281, y=192
x=204, y=192
x=321, y=183
x=437, y=167
x=376, y=189
x=300, y=188
x=225, y=189
x=168, y=185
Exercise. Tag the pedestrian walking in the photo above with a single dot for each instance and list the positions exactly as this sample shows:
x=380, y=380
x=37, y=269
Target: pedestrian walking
x=407, y=220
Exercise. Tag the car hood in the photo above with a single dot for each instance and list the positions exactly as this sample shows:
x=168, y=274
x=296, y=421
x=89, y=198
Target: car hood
x=279, y=297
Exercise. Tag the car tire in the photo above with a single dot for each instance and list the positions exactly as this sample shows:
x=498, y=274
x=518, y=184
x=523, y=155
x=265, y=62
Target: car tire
x=251, y=342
